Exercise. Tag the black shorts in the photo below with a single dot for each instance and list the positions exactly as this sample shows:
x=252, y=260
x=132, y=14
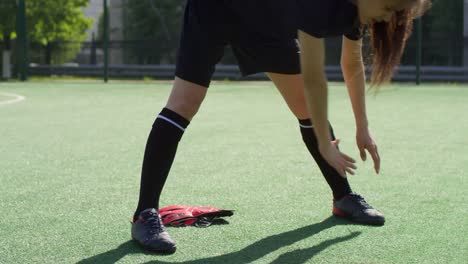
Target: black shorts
x=261, y=41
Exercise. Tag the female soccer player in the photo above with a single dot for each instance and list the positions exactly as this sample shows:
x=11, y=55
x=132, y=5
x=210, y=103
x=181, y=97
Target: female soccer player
x=262, y=35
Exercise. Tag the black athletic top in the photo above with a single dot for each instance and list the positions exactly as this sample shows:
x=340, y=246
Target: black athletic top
x=329, y=18
x=319, y=18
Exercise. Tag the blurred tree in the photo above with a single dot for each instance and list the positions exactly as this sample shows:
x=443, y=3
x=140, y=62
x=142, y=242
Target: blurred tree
x=59, y=26
x=7, y=20
x=151, y=30
x=444, y=28
x=152, y=27
x=7, y=29
x=100, y=28
x=442, y=35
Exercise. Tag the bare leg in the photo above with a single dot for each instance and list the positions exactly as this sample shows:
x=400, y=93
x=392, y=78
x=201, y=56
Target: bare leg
x=161, y=147
x=291, y=88
x=186, y=98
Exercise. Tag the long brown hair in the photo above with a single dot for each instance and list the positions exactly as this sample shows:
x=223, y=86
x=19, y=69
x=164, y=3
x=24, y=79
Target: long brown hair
x=388, y=41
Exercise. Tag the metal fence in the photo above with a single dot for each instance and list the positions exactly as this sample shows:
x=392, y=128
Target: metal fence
x=435, y=52
x=138, y=59
x=132, y=56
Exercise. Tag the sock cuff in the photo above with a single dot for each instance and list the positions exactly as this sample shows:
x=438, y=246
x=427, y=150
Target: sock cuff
x=305, y=123
x=174, y=118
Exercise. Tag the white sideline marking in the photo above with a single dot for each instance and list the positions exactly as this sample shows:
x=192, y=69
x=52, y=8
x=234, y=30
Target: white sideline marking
x=16, y=98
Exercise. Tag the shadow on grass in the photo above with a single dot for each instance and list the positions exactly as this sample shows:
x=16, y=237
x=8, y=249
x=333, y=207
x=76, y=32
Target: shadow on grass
x=250, y=253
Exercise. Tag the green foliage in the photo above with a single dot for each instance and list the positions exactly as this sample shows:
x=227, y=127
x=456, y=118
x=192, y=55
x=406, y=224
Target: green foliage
x=7, y=18
x=442, y=35
x=48, y=22
x=152, y=27
x=151, y=42
x=446, y=17
x=155, y=27
x=58, y=21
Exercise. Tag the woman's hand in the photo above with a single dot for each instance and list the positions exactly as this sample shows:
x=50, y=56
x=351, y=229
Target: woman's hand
x=365, y=142
x=338, y=160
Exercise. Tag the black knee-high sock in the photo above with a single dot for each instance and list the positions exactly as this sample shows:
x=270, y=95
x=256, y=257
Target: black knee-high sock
x=338, y=184
x=160, y=151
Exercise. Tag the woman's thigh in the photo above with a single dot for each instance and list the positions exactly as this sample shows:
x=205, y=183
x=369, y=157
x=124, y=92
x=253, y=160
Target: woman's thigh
x=291, y=87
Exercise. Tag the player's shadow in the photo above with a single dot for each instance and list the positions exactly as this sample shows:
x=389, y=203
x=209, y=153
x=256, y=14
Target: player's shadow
x=250, y=253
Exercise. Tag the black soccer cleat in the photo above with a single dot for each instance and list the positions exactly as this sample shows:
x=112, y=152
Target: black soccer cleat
x=353, y=207
x=149, y=231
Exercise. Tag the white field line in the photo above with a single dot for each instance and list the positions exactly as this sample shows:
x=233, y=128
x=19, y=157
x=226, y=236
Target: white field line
x=16, y=99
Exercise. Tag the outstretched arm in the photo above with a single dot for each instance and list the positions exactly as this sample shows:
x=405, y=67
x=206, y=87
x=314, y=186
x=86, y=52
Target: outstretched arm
x=354, y=73
x=316, y=94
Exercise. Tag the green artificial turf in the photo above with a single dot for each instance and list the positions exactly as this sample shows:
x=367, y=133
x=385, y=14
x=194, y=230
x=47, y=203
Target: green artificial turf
x=70, y=158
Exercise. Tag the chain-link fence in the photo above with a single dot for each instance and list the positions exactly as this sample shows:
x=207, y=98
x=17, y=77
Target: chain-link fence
x=144, y=34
